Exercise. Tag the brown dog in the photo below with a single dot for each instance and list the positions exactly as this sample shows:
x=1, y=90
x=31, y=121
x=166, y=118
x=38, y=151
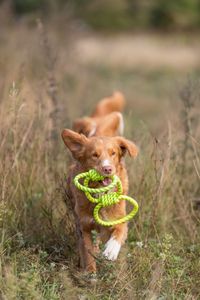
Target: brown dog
x=104, y=154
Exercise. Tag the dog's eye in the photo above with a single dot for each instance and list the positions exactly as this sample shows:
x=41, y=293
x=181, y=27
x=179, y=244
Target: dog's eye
x=95, y=155
x=113, y=153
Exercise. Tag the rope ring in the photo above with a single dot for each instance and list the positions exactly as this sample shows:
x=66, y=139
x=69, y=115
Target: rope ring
x=124, y=219
x=84, y=188
x=104, y=200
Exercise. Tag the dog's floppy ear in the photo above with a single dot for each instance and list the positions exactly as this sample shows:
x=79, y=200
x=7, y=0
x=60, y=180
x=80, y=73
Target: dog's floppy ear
x=85, y=126
x=75, y=142
x=127, y=146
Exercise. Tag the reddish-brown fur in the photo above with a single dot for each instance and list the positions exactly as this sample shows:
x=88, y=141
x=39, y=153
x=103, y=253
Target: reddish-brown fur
x=106, y=120
x=91, y=153
x=107, y=105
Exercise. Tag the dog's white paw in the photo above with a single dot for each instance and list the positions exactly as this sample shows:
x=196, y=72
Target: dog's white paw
x=112, y=249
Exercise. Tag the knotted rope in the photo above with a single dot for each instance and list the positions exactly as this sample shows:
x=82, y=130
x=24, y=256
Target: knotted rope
x=104, y=200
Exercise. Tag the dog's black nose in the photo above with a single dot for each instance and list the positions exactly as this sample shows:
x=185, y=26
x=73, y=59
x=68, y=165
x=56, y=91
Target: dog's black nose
x=107, y=170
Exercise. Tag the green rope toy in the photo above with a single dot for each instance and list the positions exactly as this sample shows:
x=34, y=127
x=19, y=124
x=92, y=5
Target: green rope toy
x=104, y=199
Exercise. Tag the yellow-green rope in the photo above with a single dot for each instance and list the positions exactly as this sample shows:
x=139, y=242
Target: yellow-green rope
x=104, y=199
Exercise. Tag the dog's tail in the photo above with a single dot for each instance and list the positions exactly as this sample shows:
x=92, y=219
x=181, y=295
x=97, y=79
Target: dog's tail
x=107, y=105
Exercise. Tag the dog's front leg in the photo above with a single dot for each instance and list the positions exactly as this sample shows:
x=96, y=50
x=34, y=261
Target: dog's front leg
x=87, y=252
x=116, y=240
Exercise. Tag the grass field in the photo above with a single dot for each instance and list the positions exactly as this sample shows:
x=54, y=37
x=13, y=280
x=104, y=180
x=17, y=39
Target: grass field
x=45, y=82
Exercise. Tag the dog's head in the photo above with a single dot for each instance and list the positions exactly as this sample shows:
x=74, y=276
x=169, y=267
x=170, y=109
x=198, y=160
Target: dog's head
x=103, y=154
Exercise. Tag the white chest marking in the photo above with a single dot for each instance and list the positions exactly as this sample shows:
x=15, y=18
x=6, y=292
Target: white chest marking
x=112, y=249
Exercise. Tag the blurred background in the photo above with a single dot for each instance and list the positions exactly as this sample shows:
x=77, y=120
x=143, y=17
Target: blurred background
x=149, y=46
x=120, y=14
x=57, y=60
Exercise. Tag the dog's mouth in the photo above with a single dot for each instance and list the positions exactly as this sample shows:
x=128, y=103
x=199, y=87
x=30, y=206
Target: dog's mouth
x=106, y=181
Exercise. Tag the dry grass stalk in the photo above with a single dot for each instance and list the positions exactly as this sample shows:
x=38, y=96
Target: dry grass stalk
x=52, y=88
x=155, y=284
x=161, y=177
